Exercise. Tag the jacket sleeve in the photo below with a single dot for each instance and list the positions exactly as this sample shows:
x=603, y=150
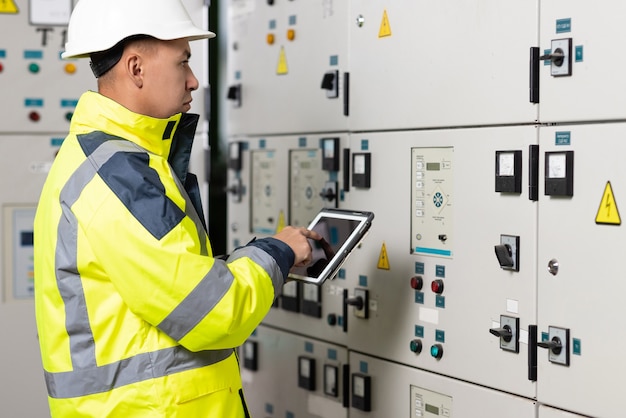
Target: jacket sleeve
x=202, y=302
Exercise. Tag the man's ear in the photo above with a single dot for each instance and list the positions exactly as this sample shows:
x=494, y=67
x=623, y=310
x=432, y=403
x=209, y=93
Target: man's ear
x=133, y=66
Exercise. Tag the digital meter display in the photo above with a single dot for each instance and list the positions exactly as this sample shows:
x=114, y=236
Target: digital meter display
x=432, y=409
x=433, y=166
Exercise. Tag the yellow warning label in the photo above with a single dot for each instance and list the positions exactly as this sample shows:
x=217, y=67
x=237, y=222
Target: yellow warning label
x=383, y=260
x=282, y=62
x=8, y=7
x=281, y=221
x=608, y=212
x=385, y=29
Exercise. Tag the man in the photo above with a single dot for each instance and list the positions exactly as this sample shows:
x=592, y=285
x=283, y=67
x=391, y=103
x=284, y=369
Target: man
x=135, y=317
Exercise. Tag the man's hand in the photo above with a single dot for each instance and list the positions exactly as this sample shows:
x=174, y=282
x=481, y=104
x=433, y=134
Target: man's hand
x=297, y=239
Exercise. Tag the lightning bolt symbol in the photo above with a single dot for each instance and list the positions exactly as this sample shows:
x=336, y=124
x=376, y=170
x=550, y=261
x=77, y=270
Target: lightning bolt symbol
x=607, y=205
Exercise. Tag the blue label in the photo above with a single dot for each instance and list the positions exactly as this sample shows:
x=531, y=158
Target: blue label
x=237, y=75
x=576, y=348
x=563, y=25
x=363, y=367
x=419, y=268
x=332, y=354
x=434, y=251
x=419, y=297
x=341, y=274
x=269, y=408
x=3, y=53
x=363, y=281
x=440, y=271
x=56, y=142
x=578, y=53
x=262, y=143
x=292, y=19
x=308, y=347
x=562, y=138
x=69, y=102
x=440, y=301
x=272, y=24
x=419, y=331
x=334, y=60
x=545, y=336
x=365, y=144
x=440, y=336
x=33, y=54
x=302, y=142
x=31, y=102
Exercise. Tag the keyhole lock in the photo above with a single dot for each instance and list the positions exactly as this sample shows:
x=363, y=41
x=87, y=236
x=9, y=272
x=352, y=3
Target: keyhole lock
x=553, y=267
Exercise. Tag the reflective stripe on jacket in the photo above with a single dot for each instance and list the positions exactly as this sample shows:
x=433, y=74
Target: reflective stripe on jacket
x=135, y=317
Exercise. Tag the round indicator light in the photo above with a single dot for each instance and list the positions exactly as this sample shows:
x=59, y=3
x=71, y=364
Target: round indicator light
x=436, y=350
x=70, y=68
x=416, y=346
x=291, y=34
x=34, y=116
x=34, y=68
x=270, y=39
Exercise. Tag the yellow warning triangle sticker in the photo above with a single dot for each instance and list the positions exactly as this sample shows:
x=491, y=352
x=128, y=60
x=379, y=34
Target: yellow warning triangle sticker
x=608, y=212
x=282, y=62
x=385, y=29
x=281, y=221
x=8, y=7
x=383, y=260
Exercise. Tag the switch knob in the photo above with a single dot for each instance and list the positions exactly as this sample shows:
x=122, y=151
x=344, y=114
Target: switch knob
x=554, y=345
x=505, y=333
x=356, y=301
x=437, y=286
x=556, y=57
x=328, y=194
x=505, y=255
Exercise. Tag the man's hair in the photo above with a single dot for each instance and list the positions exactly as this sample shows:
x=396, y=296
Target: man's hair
x=102, y=61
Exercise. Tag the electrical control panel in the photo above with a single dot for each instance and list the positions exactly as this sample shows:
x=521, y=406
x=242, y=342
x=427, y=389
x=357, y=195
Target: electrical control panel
x=287, y=67
x=493, y=166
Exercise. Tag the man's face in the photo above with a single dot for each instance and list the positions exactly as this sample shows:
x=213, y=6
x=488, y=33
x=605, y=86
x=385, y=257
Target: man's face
x=168, y=79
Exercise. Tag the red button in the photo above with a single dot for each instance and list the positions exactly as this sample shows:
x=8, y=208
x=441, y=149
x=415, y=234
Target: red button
x=437, y=286
x=417, y=282
x=1, y=67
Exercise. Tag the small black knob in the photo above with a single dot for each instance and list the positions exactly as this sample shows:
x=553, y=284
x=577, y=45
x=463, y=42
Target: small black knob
x=328, y=194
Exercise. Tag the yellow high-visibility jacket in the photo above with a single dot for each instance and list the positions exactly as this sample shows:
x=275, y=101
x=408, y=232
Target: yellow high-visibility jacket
x=135, y=317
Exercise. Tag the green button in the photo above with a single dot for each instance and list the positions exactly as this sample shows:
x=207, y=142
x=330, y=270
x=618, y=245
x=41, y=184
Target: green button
x=34, y=68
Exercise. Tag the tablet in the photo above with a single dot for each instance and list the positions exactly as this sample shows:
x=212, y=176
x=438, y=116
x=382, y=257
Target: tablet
x=342, y=230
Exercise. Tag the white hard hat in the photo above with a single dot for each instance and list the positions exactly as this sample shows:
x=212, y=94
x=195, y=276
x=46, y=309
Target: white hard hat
x=98, y=25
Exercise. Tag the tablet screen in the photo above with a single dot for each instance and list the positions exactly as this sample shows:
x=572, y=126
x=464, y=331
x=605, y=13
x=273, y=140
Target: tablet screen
x=340, y=232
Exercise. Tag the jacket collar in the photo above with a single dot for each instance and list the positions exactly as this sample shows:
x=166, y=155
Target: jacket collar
x=171, y=138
